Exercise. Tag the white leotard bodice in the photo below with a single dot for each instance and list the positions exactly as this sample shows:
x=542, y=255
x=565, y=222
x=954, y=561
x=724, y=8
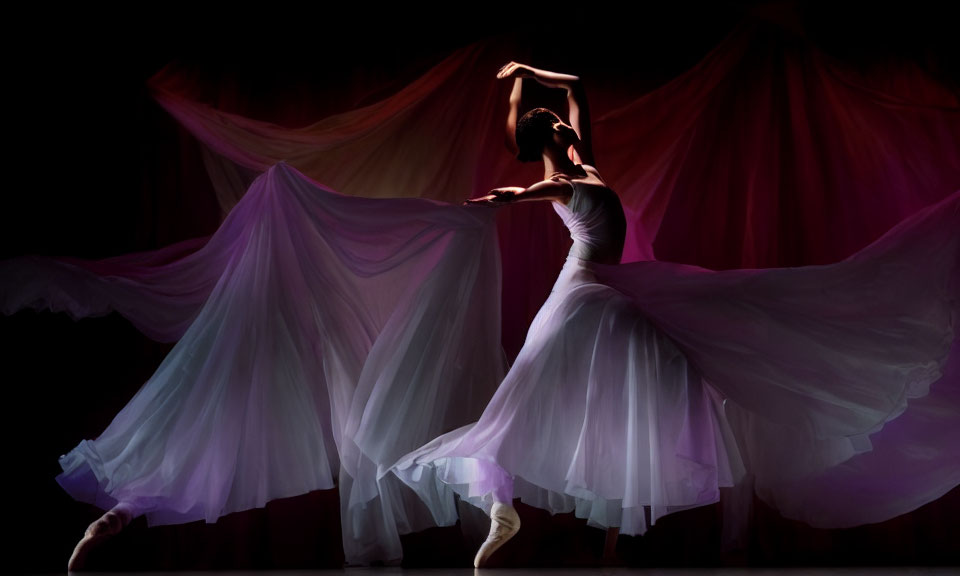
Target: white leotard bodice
x=596, y=222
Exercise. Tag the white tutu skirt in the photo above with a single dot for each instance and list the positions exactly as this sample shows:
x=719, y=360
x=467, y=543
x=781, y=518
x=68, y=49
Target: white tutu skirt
x=653, y=384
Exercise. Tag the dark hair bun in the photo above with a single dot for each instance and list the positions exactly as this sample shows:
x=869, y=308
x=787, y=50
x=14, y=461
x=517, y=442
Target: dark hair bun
x=533, y=132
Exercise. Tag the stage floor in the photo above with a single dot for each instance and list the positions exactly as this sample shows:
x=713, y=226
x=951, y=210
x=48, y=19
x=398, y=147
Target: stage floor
x=616, y=571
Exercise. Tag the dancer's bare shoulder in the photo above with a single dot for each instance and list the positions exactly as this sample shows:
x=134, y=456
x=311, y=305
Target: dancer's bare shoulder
x=591, y=177
x=592, y=171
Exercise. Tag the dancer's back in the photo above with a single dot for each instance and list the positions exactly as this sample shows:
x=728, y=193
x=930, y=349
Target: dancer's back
x=595, y=218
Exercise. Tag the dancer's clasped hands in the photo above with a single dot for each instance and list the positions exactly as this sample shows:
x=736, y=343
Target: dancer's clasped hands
x=497, y=196
x=515, y=70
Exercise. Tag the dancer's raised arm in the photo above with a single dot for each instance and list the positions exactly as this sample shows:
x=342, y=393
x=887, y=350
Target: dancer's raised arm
x=579, y=112
x=512, y=114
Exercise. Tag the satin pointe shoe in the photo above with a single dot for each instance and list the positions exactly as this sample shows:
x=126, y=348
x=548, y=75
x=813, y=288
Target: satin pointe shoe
x=504, y=523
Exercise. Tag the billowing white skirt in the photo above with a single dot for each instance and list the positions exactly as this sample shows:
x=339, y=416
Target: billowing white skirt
x=833, y=389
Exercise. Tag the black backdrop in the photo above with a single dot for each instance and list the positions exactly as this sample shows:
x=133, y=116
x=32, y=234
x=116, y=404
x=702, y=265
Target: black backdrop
x=95, y=168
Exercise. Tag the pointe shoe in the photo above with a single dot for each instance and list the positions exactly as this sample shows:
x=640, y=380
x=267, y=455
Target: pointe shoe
x=504, y=523
x=107, y=525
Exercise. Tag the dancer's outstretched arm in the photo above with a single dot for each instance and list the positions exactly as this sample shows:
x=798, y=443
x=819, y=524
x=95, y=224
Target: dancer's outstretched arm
x=543, y=190
x=579, y=112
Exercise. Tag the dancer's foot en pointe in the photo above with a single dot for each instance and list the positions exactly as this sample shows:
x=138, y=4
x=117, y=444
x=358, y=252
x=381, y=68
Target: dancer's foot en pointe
x=107, y=525
x=504, y=523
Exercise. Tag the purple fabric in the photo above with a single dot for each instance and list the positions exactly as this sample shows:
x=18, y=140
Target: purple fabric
x=326, y=333
x=768, y=152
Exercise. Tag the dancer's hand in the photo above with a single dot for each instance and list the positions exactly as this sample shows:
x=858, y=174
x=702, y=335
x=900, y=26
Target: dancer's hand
x=515, y=70
x=497, y=196
x=552, y=79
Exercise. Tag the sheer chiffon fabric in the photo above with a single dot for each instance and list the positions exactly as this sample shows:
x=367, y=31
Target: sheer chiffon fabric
x=653, y=384
x=330, y=340
x=600, y=413
x=329, y=334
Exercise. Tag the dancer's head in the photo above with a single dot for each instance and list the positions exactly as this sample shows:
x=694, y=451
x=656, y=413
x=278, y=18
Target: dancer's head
x=541, y=129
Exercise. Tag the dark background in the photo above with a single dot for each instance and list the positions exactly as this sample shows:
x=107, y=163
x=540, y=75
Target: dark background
x=96, y=168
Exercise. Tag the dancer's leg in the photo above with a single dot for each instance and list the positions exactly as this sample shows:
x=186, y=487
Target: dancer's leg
x=504, y=523
x=112, y=522
x=610, y=546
